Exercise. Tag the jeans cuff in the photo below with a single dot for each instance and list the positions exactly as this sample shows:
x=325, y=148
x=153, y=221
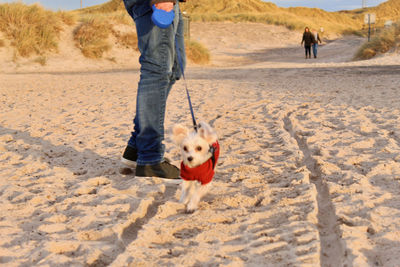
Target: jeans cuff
x=152, y=162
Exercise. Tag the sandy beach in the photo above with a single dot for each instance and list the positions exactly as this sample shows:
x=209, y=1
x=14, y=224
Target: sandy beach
x=309, y=172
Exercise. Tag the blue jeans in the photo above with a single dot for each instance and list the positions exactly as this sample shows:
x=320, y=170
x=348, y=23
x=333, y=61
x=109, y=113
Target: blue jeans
x=314, y=49
x=158, y=72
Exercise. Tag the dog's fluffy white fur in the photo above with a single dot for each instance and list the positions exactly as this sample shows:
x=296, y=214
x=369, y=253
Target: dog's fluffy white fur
x=195, y=151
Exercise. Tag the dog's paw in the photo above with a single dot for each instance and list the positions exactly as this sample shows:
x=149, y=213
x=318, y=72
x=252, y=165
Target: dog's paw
x=191, y=207
x=190, y=211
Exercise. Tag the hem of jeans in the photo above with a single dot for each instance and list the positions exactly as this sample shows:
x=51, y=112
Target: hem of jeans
x=153, y=162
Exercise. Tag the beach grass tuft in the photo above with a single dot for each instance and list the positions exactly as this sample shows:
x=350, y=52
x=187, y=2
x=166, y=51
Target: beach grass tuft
x=197, y=53
x=380, y=44
x=128, y=40
x=91, y=37
x=31, y=29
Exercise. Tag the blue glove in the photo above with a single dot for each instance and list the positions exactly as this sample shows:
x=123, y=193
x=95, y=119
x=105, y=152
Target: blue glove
x=162, y=18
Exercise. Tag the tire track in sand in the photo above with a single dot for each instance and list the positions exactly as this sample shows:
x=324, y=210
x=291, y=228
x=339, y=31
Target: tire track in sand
x=332, y=251
x=130, y=232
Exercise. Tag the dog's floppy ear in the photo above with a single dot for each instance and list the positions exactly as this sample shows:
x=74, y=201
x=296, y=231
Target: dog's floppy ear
x=179, y=132
x=207, y=133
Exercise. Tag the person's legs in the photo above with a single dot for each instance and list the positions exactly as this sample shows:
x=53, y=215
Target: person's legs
x=308, y=50
x=315, y=49
x=158, y=74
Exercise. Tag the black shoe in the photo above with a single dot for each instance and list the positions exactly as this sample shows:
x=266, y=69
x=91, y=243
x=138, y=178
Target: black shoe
x=129, y=157
x=161, y=170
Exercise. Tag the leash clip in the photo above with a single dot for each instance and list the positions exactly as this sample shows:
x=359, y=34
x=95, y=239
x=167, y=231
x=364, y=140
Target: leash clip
x=212, y=151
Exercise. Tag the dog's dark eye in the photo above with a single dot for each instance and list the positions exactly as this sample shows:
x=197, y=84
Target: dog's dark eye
x=185, y=149
x=198, y=148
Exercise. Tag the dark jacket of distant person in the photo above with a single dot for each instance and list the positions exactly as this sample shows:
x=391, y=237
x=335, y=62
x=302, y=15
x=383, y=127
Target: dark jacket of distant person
x=308, y=38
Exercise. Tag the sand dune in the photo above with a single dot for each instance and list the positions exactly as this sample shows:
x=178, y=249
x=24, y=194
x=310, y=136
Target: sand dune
x=308, y=176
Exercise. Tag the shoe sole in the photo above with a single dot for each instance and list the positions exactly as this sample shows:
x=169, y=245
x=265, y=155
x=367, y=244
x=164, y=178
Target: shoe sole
x=132, y=164
x=168, y=180
x=128, y=163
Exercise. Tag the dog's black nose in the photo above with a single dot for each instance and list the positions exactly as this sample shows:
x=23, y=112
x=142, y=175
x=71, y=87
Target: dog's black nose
x=190, y=159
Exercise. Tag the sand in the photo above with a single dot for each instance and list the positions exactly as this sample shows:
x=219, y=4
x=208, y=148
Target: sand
x=309, y=172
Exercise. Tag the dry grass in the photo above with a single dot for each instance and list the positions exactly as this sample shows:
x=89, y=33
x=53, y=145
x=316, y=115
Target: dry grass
x=128, y=40
x=112, y=10
x=34, y=30
x=227, y=6
x=382, y=43
x=2, y=44
x=290, y=21
x=108, y=7
x=342, y=22
x=120, y=17
x=116, y=17
x=239, y=11
x=41, y=60
x=31, y=29
x=258, y=11
x=67, y=17
x=197, y=53
x=91, y=37
x=389, y=10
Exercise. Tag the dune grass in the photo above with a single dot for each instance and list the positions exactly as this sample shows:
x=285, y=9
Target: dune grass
x=227, y=6
x=67, y=18
x=31, y=29
x=91, y=37
x=197, y=53
x=34, y=30
x=128, y=40
x=108, y=7
x=258, y=11
x=389, y=10
x=380, y=44
x=296, y=18
x=41, y=60
x=112, y=10
x=115, y=17
x=251, y=11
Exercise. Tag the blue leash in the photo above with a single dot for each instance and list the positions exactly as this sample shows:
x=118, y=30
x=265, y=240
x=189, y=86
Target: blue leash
x=163, y=19
x=178, y=53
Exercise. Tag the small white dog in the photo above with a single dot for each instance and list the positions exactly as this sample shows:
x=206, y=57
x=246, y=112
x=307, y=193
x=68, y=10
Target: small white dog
x=200, y=152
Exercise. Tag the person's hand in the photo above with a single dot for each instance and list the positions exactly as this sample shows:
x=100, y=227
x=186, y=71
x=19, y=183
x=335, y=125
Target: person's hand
x=166, y=6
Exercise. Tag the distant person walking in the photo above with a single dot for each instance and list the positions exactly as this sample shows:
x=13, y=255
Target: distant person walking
x=308, y=40
x=315, y=45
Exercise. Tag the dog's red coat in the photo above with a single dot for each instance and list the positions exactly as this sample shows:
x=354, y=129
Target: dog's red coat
x=203, y=173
